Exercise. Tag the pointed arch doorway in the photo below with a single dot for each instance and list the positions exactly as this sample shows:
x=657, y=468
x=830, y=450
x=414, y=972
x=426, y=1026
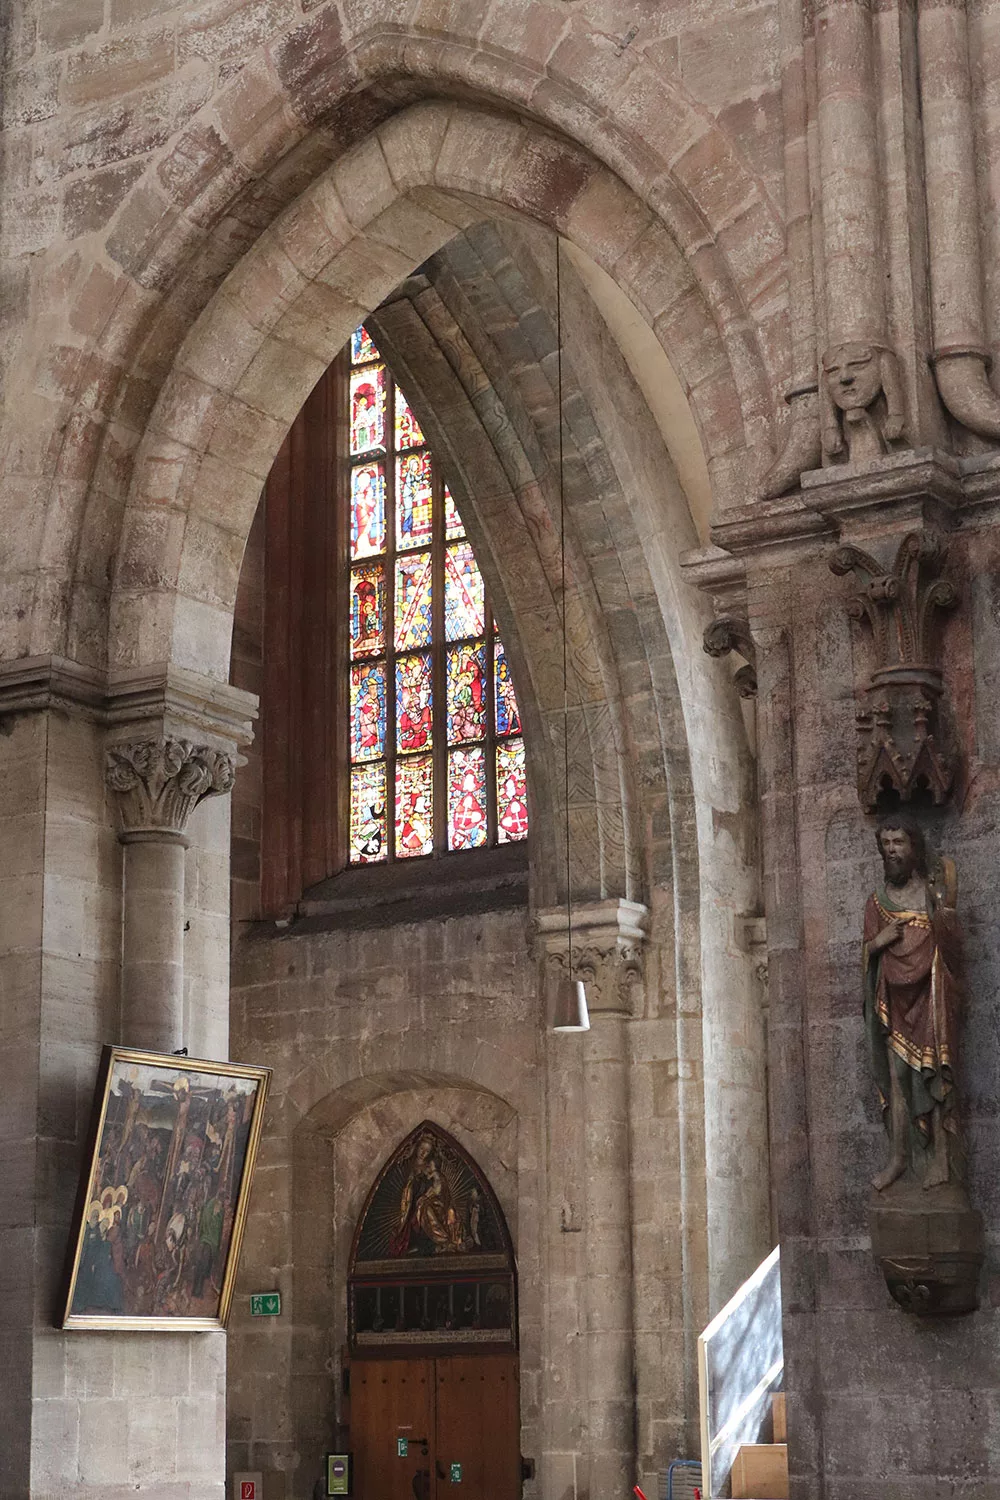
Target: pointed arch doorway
x=432, y=1328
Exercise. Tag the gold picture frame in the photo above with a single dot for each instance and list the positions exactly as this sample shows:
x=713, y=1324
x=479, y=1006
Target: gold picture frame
x=163, y=1200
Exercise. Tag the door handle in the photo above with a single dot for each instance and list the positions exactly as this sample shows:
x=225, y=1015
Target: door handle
x=439, y=1467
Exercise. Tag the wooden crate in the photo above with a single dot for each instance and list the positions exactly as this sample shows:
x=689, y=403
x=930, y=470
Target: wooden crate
x=761, y=1472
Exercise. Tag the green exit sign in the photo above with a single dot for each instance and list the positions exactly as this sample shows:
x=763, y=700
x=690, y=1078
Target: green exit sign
x=265, y=1304
x=456, y=1473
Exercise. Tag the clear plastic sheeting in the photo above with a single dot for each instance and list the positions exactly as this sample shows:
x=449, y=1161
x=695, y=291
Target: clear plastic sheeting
x=740, y=1365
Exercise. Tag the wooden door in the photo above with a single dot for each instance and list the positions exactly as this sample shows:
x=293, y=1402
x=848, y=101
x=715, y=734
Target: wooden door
x=478, y=1427
x=463, y=1409
x=393, y=1399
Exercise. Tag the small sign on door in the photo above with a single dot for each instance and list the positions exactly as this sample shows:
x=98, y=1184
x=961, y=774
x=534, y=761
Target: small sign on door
x=456, y=1473
x=248, y=1487
x=402, y=1447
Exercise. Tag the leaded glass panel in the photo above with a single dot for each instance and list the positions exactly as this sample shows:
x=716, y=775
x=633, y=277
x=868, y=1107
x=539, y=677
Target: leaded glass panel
x=362, y=346
x=414, y=582
x=414, y=702
x=453, y=527
x=508, y=717
x=512, y=792
x=414, y=806
x=368, y=844
x=468, y=827
x=367, y=610
x=368, y=410
x=414, y=500
x=368, y=710
x=464, y=596
x=367, y=510
x=466, y=692
x=408, y=433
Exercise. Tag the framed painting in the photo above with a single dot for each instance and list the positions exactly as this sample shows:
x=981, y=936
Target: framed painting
x=164, y=1194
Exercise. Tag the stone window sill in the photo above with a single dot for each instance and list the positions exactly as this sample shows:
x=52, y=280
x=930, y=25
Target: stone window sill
x=448, y=885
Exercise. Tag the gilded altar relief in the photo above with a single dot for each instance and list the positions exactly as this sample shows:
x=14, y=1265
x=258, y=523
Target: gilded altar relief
x=432, y=1263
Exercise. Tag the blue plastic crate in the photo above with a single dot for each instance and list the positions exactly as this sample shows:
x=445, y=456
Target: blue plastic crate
x=682, y=1481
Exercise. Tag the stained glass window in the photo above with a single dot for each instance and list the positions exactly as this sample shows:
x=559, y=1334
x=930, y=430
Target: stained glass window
x=368, y=409
x=362, y=347
x=367, y=845
x=368, y=711
x=463, y=593
x=414, y=596
x=434, y=738
x=512, y=792
x=408, y=434
x=467, y=822
x=414, y=500
x=367, y=610
x=367, y=510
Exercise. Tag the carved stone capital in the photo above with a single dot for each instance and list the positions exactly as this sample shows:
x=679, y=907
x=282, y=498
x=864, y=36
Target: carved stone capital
x=904, y=725
x=606, y=951
x=159, y=782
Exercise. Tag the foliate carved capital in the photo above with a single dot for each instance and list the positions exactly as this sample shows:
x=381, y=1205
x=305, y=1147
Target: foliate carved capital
x=613, y=977
x=905, y=742
x=606, y=950
x=159, y=782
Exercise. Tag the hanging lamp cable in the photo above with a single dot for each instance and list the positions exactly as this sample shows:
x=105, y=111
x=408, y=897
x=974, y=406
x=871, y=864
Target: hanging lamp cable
x=565, y=637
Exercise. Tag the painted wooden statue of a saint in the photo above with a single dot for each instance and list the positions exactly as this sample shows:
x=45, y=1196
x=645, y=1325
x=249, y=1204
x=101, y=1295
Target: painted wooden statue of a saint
x=429, y=1222
x=911, y=1001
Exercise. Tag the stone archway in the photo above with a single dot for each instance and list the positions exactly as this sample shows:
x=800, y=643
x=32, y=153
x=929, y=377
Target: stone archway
x=285, y=310
x=174, y=545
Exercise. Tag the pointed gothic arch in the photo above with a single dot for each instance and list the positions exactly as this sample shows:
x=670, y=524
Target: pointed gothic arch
x=432, y=1263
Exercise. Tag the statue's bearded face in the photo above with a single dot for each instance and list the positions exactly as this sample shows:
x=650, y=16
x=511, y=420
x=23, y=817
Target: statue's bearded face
x=898, y=854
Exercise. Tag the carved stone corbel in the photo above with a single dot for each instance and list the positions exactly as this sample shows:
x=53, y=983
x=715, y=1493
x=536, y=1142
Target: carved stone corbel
x=861, y=397
x=159, y=783
x=905, y=743
x=732, y=634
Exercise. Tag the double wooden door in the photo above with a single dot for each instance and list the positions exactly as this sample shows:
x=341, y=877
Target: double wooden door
x=436, y=1429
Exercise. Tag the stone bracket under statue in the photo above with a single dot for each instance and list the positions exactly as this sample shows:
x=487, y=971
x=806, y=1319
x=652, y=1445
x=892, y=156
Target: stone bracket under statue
x=906, y=743
x=929, y=1246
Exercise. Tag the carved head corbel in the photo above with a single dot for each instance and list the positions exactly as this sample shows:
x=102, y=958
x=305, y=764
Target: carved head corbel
x=855, y=376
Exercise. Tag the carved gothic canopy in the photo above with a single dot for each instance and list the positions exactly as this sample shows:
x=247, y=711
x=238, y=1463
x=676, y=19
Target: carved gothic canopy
x=432, y=1263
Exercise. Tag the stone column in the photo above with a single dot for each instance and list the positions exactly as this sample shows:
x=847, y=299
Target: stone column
x=607, y=955
x=158, y=783
x=840, y=594
x=102, y=1414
